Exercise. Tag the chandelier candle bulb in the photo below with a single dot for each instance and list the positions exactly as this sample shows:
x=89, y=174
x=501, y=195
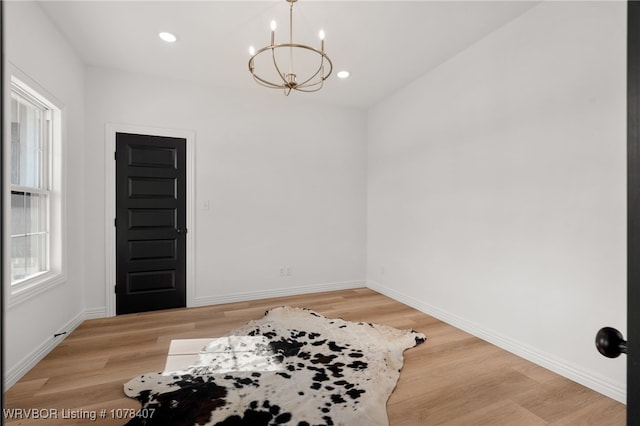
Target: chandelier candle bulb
x=273, y=32
x=321, y=35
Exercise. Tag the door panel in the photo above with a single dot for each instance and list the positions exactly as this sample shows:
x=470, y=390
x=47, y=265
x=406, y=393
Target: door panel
x=150, y=223
x=145, y=187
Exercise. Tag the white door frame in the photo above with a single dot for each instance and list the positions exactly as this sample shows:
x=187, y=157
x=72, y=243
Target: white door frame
x=110, y=205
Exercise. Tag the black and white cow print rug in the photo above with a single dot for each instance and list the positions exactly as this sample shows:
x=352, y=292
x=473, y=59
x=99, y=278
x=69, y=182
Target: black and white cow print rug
x=293, y=367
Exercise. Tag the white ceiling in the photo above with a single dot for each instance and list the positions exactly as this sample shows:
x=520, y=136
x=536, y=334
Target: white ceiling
x=384, y=44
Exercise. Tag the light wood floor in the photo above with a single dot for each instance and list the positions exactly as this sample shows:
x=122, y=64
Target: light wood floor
x=451, y=379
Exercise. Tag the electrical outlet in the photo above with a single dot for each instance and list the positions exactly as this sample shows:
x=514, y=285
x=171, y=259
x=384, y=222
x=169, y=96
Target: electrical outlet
x=283, y=271
x=288, y=271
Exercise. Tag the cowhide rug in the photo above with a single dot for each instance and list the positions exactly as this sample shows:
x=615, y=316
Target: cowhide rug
x=292, y=367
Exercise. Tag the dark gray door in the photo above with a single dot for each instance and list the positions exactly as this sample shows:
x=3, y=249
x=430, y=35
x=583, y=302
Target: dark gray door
x=150, y=223
x=633, y=213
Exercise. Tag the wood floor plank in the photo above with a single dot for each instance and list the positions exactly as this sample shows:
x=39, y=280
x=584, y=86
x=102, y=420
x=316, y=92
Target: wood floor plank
x=502, y=413
x=597, y=413
x=453, y=379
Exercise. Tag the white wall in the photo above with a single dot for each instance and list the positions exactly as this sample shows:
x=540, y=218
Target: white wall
x=35, y=47
x=285, y=182
x=497, y=186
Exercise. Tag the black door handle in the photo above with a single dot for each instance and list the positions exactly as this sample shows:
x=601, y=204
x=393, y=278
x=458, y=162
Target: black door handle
x=182, y=230
x=610, y=342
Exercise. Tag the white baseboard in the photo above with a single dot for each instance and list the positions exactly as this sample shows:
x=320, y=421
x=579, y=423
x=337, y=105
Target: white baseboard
x=95, y=313
x=267, y=294
x=16, y=372
x=559, y=366
x=599, y=384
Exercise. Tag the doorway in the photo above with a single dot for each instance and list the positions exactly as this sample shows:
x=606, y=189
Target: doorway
x=142, y=252
x=150, y=223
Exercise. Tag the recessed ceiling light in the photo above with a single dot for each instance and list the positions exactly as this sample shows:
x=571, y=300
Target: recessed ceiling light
x=343, y=74
x=168, y=37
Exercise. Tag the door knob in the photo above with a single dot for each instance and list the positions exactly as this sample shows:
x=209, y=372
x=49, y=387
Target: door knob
x=610, y=342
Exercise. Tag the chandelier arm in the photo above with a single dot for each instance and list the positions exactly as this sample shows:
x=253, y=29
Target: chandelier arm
x=257, y=79
x=319, y=71
x=310, y=90
x=275, y=64
x=323, y=56
x=266, y=83
x=304, y=83
x=312, y=86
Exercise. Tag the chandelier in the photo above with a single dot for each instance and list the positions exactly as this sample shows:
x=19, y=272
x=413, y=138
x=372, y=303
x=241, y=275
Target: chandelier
x=276, y=63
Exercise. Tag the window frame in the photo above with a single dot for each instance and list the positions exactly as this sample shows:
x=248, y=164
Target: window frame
x=54, y=176
x=42, y=188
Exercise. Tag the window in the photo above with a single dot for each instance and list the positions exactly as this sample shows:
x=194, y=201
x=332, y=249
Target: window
x=35, y=216
x=30, y=190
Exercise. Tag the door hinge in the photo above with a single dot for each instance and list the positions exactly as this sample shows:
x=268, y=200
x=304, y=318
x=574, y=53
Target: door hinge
x=115, y=155
x=115, y=222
